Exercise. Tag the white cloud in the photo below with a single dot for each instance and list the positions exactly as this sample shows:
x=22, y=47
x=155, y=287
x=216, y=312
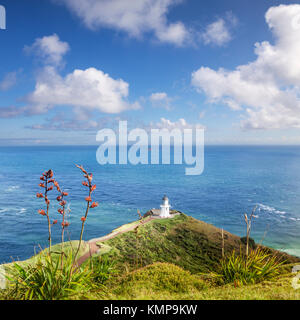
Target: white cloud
x=179, y=124
x=50, y=48
x=90, y=89
x=83, y=90
x=12, y=112
x=175, y=33
x=134, y=17
x=158, y=96
x=160, y=99
x=269, y=87
x=217, y=33
x=9, y=80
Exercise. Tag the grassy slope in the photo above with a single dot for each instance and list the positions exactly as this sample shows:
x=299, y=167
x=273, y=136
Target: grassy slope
x=162, y=281
x=165, y=259
x=175, y=252
x=184, y=241
x=69, y=247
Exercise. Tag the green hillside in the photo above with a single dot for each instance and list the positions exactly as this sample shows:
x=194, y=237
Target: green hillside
x=176, y=258
x=161, y=281
x=184, y=241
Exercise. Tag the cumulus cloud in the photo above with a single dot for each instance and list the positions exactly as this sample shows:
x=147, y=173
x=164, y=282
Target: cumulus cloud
x=49, y=48
x=160, y=99
x=179, y=124
x=217, y=33
x=268, y=88
x=83, y=90
x=90, y=89
x=134, y=17
x=9, y=80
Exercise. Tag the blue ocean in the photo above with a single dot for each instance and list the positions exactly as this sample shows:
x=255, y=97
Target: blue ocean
x=235, y=179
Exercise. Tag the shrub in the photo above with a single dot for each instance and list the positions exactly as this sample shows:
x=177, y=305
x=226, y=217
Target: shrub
x=252, y=244
x=47, y=280
x=102, y=270
x=159, y=277
x=258, y=266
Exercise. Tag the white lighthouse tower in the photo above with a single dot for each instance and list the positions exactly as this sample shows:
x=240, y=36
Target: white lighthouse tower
x=165, y=208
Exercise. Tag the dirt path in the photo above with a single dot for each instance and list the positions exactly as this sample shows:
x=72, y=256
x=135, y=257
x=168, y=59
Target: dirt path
x=94, y=248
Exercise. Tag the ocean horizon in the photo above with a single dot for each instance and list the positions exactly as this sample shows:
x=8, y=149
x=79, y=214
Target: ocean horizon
x=236, y=178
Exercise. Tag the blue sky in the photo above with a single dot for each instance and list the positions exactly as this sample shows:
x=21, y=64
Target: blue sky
x=155, y=63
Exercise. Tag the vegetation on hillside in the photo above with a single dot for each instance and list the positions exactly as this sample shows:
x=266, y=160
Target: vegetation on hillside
x=177, y=258
x=55, y=274
x=253, y=267
x=156, y=282
x=184, y=241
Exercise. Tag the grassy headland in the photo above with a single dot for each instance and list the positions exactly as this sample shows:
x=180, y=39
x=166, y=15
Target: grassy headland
x=176, y=258
x=191, y=244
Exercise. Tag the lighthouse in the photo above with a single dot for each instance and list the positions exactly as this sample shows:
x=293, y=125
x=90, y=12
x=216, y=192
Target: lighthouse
x=165, y=208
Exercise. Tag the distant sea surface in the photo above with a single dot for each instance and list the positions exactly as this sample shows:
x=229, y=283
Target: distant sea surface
x=235, y=179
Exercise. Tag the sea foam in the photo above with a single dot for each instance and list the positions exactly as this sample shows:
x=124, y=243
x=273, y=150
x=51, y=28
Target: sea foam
x=269, y=209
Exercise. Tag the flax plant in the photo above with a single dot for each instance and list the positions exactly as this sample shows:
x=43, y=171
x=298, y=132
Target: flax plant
x=248, y=228
x=46, y=184
x=259, y=265
x=90, y=204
